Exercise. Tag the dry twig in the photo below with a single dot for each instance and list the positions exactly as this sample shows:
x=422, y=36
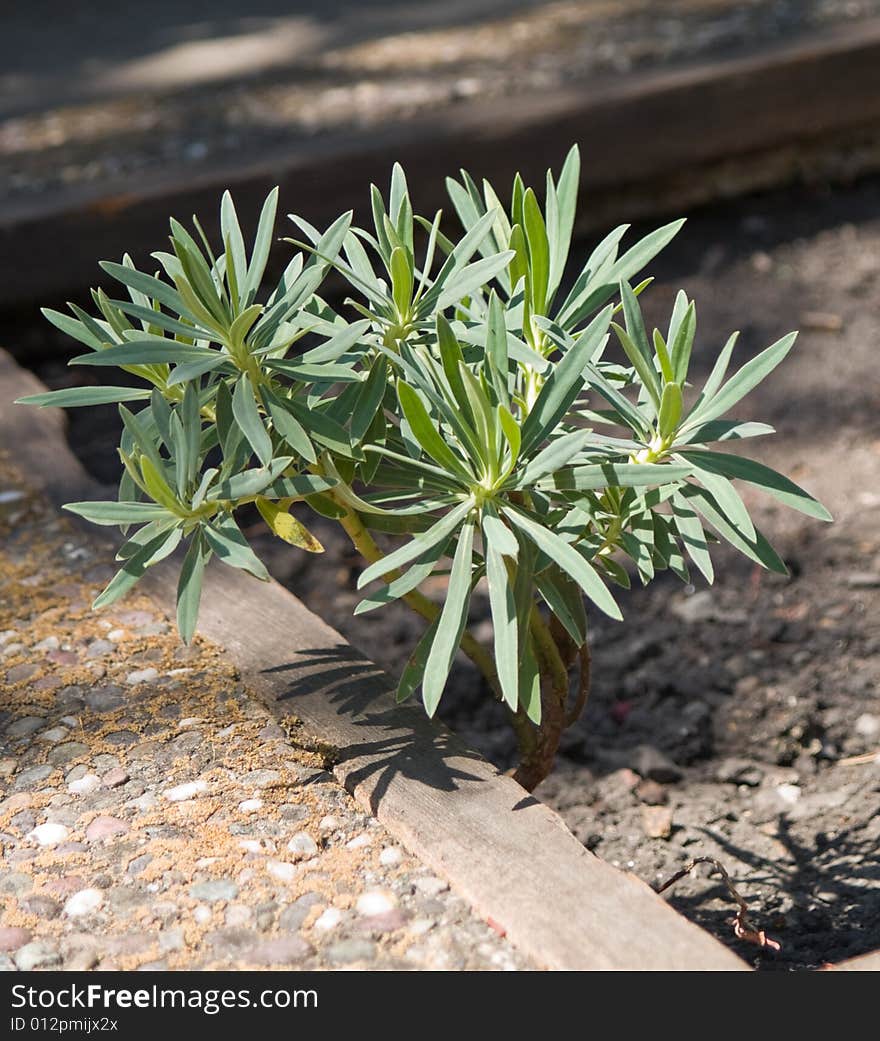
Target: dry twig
x=743, y=928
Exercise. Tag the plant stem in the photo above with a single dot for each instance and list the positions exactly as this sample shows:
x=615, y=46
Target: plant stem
x=366, y=545
x=538, y=754
x=586, y=667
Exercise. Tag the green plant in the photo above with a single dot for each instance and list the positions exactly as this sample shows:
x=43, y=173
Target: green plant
x=456, y=406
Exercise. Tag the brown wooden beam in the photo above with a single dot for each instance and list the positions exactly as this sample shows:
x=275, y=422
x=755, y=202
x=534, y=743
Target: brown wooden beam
x=646, y=133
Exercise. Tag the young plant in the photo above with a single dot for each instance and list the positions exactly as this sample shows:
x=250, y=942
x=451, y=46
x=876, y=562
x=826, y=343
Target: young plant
x=453, y=417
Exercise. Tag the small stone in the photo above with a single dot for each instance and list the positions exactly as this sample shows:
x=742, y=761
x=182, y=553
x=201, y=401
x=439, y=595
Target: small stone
x=868, y=725
x=190, y=721
x=144, y=803
x=21, y=672
x=33, y=776
x=202, y=915
x=49, y=834
x=328, y=920
x=185, y=791
x=430, y=885
x=293, y=813
x=303, y=846
x=293, y=917
x=420, y=926
x=328, y=823
x=15, y=882
x=54, y=735
x=81, y=960
x=283, y=950
x=142, y=676
x=821, y=321
x=699, y=607
x=377, y=924
x=651, y=793
x=139, y=864
x=238, y=914
x=84, y=902
x=63, y=657
x=390, y=856
x=12, y=938
x=115, y=778
x=122, y=738
x=251, y=845
x=8, y=767
x=25, y=726
x=104, y=699
x=24, y=820
x=65, y=886
x=863, y=580
x=657, y=821
x=262, y=778
x=347, y=951
x=117, y=635
x=788, y=793
x=360, y=841
x=99, y=648
x=739, y=771
x=39, y=954
x=171, y=940
x=51, y=643
x=250, y=805
x=281, y=870
x=84, y=785
x=375, y=902
x=104, y=763
x=106, y=828
x=42, y=906
x=650, y=762
x=215, y=890
x=63, y=753
x=231, y=941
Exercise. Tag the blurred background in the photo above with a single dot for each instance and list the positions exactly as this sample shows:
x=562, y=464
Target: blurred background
x=760, y=121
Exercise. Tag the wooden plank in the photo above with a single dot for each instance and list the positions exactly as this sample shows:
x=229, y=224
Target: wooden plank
x=648, y=132
x=509, y=855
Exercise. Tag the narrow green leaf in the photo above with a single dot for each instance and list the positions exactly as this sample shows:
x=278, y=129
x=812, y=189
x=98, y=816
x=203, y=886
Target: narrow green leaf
x=504, y=624
x=744, y=380
x=693, y=538
x=453, y=619
x=427, y=434
x=247, y=416
x=670, y=410
x=262, y=245
x=762, y=477
x=110, y=513
x=567, y=558
x=77, y=397
x=418, y=545
x=564, y=384
x=135, y=566
x=231, y=547
x=189, y=586
x=539, y=251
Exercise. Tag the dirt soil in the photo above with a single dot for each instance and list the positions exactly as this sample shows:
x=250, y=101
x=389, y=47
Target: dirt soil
x=740, y=722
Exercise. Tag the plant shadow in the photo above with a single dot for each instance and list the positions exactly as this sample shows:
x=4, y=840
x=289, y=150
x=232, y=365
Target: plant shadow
x=832, y=895
x=398, y=740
